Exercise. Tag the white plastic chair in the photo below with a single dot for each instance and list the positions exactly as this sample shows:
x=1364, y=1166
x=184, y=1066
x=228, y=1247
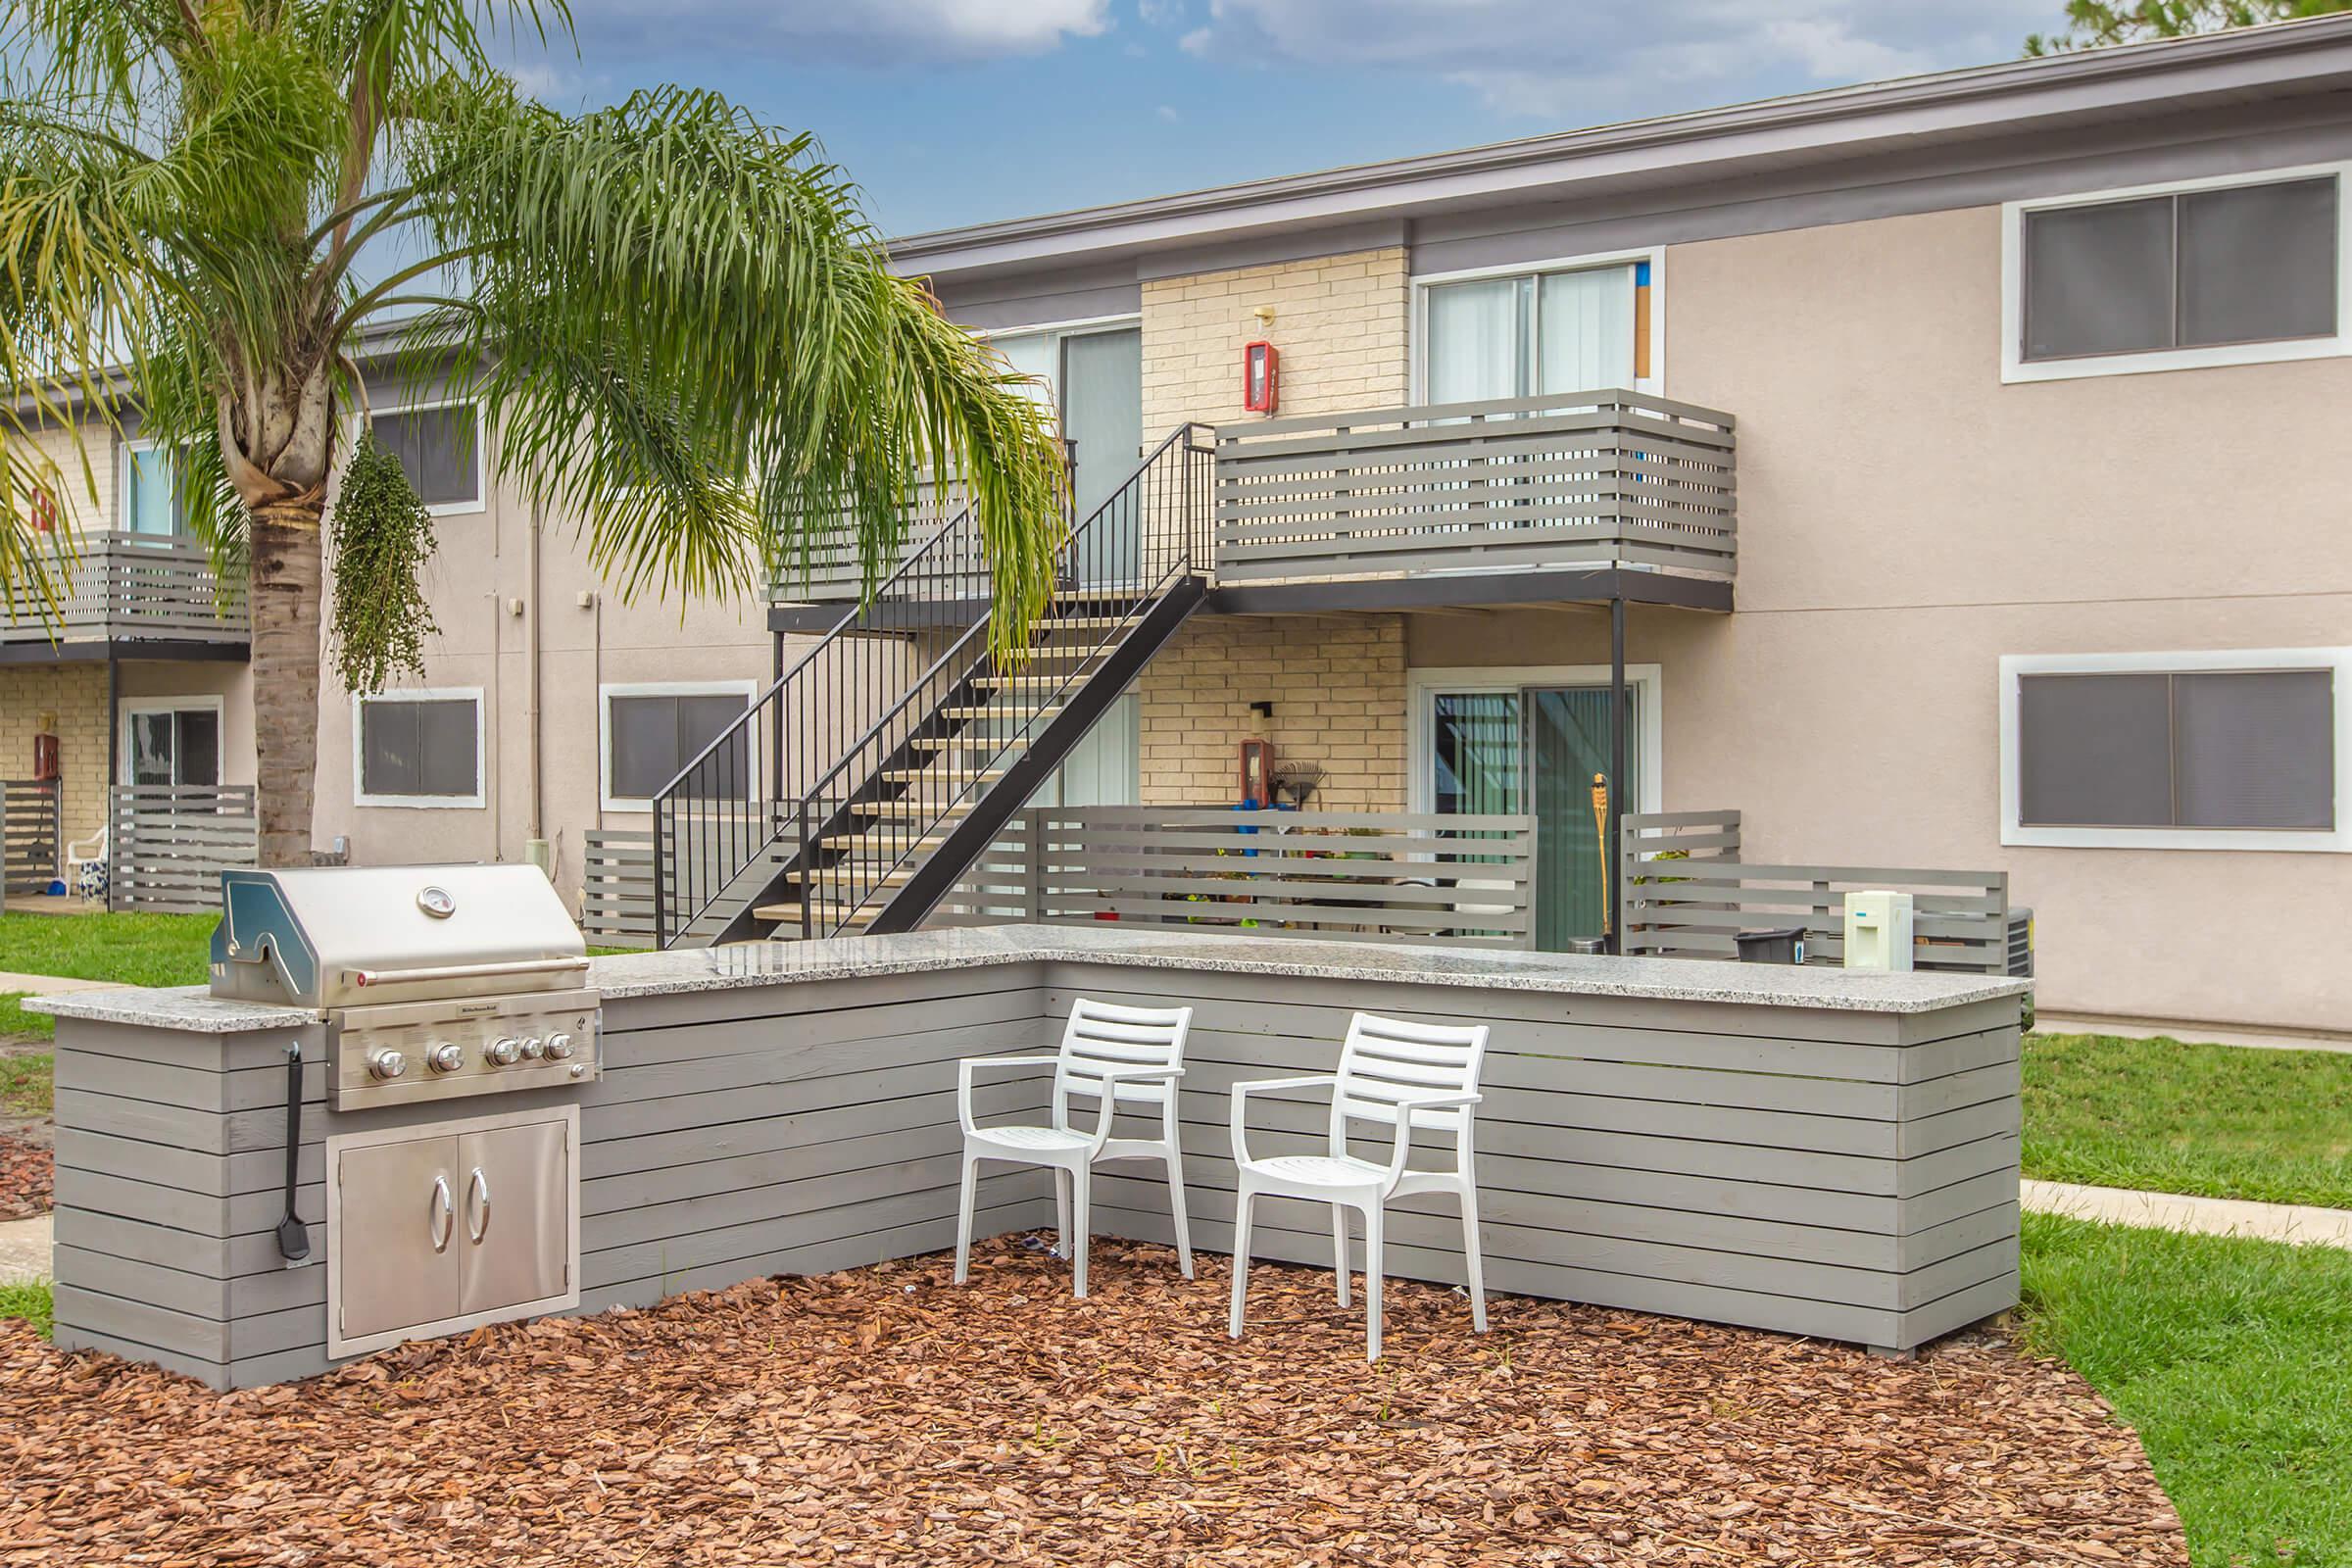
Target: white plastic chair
x=1398, y=1074
x=85, y=864
x=1118, y=1056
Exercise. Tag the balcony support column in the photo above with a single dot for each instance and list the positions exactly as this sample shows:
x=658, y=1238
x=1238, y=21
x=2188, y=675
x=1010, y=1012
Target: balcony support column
x=1612, y=869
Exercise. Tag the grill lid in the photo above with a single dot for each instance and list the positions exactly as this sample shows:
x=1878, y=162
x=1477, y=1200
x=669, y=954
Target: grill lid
x=341, y=937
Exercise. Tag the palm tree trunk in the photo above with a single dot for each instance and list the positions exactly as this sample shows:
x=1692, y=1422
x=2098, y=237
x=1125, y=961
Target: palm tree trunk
x=284, y=596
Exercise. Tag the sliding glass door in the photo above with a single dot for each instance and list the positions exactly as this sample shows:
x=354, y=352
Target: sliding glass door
x=1537, y=750
x=1533, y=334
x=1092, y=379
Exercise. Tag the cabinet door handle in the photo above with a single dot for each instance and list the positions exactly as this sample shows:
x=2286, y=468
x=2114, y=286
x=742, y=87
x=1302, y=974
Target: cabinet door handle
x=477, y=1185
x=440, y=1216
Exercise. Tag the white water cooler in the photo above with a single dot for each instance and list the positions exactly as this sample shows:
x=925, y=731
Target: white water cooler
x=1877, y=930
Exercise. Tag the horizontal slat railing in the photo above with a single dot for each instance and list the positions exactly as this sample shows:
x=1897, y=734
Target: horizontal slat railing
x=127, y=586
x=29, y=835
x=1367, y=877
x=167, y=844
x=1581, y=479
x=1687, y=894
x=834, y=571
x=617, y=888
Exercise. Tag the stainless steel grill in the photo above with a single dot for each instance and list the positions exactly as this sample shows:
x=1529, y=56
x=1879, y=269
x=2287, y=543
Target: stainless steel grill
x=436, y=981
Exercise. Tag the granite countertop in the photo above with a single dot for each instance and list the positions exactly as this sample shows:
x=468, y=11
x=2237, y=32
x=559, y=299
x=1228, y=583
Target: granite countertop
x=655, y=974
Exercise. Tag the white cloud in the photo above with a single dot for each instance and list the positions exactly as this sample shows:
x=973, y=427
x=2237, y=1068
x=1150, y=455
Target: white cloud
x=856, y=32
x=1159, y=13
x=1167, y=112
x=1588, y=60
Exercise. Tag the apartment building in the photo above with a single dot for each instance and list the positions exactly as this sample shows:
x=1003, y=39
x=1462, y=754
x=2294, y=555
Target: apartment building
x=1948, y=473
x=1945, y=472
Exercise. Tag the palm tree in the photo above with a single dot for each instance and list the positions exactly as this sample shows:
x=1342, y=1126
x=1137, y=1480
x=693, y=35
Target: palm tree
x=680, y=328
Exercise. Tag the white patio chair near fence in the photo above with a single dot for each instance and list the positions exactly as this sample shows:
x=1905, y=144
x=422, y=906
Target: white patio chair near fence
x=1392, y=1073
x=1123, y=1059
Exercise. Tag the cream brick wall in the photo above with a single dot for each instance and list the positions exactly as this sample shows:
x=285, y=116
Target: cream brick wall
x=1339, y=324
x=75, y=693
x=1337, y=684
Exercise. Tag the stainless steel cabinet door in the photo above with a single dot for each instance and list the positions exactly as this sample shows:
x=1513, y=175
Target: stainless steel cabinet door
x=401, y=1235
x=514, y=1215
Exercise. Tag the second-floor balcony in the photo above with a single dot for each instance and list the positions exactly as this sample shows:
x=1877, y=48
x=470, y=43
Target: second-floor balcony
x=1542, y=493
x=1577, y=496
x=132, y=593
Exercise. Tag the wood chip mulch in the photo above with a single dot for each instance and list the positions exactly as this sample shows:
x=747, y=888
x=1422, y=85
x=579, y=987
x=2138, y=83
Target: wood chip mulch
x=27, y=1172
x=884, y=1416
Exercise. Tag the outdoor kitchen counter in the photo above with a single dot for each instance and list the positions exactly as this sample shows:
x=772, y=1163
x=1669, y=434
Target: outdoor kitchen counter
x=1807, y=1150
x=626, y=976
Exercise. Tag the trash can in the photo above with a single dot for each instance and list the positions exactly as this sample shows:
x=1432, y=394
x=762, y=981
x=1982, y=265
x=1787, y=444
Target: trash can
x=1785, y=943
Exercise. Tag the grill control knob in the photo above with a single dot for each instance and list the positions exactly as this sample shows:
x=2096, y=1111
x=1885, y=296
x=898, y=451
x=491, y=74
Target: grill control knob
x=558, y=1047
x=503, y=1051
x=533, y=1048
x=447, y=1056
x=386, y=1063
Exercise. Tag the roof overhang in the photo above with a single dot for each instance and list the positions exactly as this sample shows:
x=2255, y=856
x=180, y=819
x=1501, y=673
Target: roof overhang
x=2150, y=81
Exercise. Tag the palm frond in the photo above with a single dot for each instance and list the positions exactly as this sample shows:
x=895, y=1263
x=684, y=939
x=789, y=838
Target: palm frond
x=738, y=317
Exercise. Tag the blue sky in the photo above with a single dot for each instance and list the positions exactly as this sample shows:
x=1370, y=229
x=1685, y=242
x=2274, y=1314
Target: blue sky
x=958, y=110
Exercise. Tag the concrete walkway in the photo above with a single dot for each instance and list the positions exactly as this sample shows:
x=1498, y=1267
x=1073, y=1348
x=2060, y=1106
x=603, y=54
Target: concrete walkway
x=2198, y=1217
x=2059, y=1023
x=24, y=1250
x=51, y=985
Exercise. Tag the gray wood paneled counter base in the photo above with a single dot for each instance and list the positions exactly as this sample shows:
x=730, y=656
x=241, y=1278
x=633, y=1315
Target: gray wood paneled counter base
x=1807, y=1150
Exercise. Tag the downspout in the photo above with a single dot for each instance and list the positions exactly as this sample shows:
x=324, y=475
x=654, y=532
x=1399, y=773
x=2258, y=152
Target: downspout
x=537, y=849
x=1612, y=870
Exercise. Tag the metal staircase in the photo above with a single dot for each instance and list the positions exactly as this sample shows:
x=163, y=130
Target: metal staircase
x=856, y=790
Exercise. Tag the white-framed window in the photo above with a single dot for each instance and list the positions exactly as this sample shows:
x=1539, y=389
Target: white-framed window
x=148, y=485
x=2240, y=270
x=169, y=740
x=439, y=444
x=650, y=730
x=419, y=747
x=2240, y=749
x=1582, y=323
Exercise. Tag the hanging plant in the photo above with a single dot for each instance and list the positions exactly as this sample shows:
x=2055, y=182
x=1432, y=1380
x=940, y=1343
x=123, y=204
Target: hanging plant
x=384, y=536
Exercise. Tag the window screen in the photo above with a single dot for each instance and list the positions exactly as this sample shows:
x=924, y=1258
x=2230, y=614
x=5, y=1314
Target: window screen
x=421, y=747
x=2247, y=263
x=2206, y=749
x=653, y=737
x=436, y=451
x=175, y=747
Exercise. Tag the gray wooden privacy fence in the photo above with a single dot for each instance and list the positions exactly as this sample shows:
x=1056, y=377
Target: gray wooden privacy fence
x=617, y=888
x=125, y=585
x=1687, y=894
x=167, y=844
x=29, y=834
x=1576, y=479
x=1360, y=876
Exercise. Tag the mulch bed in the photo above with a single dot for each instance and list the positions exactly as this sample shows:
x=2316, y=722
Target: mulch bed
x=883, y=1416
x=26, y=1171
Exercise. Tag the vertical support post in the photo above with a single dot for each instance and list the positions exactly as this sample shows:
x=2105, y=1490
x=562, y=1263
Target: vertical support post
x=1612, y=877
x=660, y=868
x=1034, y=899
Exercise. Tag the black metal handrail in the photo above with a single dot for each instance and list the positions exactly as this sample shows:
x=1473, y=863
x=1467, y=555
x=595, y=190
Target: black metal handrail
x=720, y=816
x=943, y=742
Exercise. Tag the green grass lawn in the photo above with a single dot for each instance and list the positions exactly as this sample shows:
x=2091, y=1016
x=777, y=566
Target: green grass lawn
x=2215, y=1121
x=2230, y=1358
x=133, y=949
x=30, y=1303
x=25, y=1085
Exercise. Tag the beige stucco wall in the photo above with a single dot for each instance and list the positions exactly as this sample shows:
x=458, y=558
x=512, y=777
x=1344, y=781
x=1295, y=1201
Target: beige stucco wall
x=1336, y=681
x=478, y=576
x=1905, y=520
